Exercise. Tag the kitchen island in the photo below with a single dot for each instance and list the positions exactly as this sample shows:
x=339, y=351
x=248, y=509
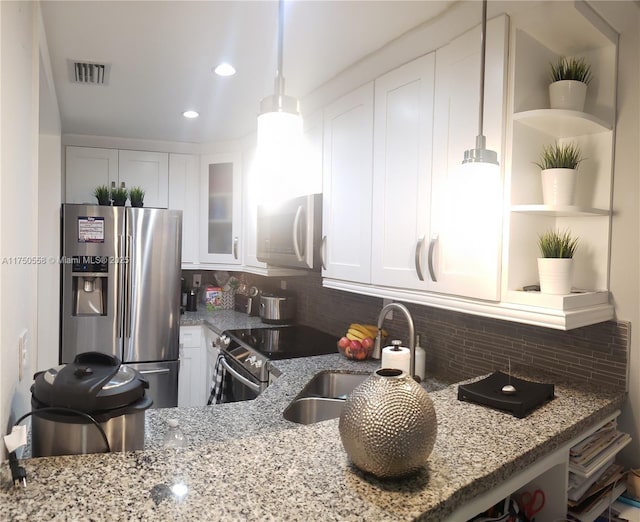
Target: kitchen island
x=245, y=462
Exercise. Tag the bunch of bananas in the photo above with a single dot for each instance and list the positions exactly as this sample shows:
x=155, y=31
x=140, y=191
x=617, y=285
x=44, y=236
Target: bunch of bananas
x=358, y=332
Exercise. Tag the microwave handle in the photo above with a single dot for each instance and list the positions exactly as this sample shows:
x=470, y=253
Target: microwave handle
x=296, y=227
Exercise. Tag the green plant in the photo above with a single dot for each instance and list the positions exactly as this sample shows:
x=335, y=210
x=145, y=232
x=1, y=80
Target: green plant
x=571, y=69
x=558, y=156
x=119, y=196
x=557, y=244
x=101, y=193
x=136, y=194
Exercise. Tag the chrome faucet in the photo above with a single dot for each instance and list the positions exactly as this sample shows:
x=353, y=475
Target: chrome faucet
x=377, y=348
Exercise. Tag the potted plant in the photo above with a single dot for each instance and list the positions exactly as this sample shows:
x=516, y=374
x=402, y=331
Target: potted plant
x=555, y=266
x=119, y=196
x=569, y=80
x=558, y=164
x=136, y=194
x=101, y=193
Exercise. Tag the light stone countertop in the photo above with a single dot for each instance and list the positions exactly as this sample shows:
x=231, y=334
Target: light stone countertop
x=244, y=462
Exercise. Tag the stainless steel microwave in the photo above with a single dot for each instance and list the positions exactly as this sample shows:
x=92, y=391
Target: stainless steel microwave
x=289, y=233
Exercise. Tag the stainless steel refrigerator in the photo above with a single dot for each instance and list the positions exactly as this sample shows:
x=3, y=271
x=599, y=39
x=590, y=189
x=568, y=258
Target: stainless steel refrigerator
x=121, y=290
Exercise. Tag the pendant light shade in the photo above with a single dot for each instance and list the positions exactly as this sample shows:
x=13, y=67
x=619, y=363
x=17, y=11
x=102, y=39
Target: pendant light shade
x=279, y=112
x=481, y=155
x=279, y=132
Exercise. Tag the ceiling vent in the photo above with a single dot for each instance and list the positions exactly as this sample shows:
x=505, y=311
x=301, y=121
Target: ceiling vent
x=91, y=73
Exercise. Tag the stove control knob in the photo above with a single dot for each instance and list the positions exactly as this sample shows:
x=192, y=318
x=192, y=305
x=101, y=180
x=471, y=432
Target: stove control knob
x=258, y=363
x=223, y=341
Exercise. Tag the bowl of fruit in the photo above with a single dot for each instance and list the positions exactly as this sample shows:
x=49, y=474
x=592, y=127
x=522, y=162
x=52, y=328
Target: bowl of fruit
x=357, y=344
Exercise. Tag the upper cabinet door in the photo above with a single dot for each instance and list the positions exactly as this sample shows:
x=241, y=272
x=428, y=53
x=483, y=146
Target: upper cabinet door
x=220, y=209
x=184, y=170
x=401, y=173
x=86, y=169
x=148, y=170
x=464, y=253
x=347, y=172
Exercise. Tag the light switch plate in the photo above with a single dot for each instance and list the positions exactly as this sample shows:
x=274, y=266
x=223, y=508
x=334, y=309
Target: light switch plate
x=197, y=280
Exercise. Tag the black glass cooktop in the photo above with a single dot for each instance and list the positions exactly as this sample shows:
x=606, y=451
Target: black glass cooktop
x=286, y=342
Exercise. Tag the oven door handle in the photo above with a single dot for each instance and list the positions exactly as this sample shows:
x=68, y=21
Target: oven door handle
x=251, y=385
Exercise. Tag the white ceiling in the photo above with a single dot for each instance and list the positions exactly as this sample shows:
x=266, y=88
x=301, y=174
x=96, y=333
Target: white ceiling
x=162, y=52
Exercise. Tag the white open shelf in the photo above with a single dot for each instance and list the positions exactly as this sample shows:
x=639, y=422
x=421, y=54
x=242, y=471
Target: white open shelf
x=600, y=507
x=562, y=123
x=564, y=211
x=576, y=299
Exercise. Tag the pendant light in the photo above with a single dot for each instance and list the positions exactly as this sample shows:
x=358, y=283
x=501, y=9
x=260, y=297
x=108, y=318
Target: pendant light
x=279, y=126
x=481, y=155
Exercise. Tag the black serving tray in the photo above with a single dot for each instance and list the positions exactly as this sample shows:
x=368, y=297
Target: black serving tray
x=488, y=392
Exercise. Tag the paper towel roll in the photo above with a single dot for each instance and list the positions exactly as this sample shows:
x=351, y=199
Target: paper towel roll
x=399, y=359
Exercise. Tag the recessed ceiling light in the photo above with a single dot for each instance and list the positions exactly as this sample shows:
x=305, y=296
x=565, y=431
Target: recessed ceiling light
x=190, y=114
x=224, y=69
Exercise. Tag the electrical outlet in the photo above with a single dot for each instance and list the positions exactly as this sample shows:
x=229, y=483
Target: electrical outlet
x=283, y=284
x=22, y=354
x=197, y=280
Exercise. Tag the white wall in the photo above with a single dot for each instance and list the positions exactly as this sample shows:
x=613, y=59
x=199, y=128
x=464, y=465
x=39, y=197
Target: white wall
x=624, y=17
x=23, y=190
x=18, y=196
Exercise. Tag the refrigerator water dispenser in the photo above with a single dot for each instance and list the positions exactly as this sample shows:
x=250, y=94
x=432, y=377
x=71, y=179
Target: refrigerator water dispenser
x=89, y=287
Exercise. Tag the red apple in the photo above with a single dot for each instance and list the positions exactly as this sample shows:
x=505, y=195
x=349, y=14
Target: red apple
x=343, y=342
x=367, y=342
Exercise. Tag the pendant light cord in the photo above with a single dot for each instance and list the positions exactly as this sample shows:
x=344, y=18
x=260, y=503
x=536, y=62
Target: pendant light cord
x=482, y=65
x=279, y=87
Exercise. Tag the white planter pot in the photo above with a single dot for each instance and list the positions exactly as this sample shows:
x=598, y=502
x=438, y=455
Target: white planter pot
x=567, y=94
x=555, y=275
x=558, y=186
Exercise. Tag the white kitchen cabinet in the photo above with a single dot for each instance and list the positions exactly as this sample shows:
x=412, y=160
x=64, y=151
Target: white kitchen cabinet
x=86, y=169
x=89, y=167
x=192, y=375
x=220, y=208
x=436, y=227
x=403, y=126
x=183, y=195
x=347, y=186
x=462, y=249
x=149, y=170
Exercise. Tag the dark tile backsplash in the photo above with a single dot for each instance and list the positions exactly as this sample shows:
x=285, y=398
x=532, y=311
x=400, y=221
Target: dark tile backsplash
x=461, y=345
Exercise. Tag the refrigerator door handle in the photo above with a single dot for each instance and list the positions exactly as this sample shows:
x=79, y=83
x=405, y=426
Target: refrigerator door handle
x=127, y=289
x=120, y=251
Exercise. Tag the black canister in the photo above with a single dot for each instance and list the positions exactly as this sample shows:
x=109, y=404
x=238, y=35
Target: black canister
x=192, y=300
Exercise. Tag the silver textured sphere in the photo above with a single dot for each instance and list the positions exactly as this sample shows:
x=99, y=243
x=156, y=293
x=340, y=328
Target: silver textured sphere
x=388, y=425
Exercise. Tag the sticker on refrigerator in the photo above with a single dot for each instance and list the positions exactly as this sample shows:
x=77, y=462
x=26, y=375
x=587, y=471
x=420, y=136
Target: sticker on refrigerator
x=90, y=229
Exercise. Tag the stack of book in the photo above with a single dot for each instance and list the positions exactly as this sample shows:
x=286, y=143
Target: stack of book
x=595, y=480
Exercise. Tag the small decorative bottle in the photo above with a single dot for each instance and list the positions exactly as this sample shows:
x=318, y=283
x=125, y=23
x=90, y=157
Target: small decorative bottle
x=174, y=438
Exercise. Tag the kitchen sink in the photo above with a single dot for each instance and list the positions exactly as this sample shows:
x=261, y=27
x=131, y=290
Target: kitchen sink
x=333, y=384
x=323, y=397
x=308, y=410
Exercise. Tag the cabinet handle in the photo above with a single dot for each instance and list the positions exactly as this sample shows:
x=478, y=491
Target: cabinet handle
x=432, y=245
x=235, y=247
x=323, y=252
x=417, y=258
x=296, y=227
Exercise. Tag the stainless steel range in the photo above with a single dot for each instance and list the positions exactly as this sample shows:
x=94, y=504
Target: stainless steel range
x=247, y=355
